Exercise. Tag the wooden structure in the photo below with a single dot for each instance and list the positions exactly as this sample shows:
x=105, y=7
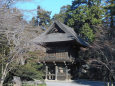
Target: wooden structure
x=62, y=45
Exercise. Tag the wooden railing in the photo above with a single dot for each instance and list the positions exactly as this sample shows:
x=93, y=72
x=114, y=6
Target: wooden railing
x=56, y=58
x=56, y=55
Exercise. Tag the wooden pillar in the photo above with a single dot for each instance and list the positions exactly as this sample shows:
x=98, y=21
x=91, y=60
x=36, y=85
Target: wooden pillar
x=66, y=73
x=46, y=72
x=56, y=72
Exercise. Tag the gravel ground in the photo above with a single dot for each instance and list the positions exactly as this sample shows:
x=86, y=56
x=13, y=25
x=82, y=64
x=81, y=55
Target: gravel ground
x=74, y=83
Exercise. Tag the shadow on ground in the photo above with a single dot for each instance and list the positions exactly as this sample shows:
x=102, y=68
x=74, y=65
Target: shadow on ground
x=90, y=83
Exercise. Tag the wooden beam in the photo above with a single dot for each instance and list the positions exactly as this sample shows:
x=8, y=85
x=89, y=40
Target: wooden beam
x=56, y=72
x=66, y=73
x=46, y=72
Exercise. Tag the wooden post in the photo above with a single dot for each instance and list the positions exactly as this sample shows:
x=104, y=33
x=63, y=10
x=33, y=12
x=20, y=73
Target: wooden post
x=46, y=72
x=66, y=73
x=56, y=71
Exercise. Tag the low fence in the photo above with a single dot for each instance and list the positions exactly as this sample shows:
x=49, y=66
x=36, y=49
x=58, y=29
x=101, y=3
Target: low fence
x=26, y=84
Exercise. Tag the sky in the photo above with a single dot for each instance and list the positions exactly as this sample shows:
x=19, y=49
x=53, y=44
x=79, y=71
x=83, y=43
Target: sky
x=48, y=5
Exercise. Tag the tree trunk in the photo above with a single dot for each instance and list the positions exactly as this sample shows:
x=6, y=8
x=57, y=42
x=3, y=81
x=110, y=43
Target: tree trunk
x=2, y=79
x=1, y=82
x=3, y=76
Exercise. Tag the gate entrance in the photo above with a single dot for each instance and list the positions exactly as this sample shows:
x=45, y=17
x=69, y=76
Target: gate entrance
x=51, y=73
x=57, y=72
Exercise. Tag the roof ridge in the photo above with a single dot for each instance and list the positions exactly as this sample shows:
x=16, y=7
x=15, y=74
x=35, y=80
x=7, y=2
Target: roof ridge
x=75, y=34
x=71, y=35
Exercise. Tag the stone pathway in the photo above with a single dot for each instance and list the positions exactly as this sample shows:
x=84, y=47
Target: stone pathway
x=74, y=83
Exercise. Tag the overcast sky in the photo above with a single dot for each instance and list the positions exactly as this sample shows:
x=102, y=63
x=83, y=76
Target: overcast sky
x=49, y=5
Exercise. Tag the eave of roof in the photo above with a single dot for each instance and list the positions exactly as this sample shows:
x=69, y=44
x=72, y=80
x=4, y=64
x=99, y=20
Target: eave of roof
x=70, y=35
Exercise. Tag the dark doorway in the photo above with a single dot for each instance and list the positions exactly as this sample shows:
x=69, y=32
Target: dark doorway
x=51, y=72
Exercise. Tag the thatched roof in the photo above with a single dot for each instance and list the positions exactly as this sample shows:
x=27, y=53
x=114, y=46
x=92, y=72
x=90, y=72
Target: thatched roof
x=67, y=34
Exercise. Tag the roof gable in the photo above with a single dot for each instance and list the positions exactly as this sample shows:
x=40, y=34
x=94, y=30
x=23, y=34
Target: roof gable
x=59, y=32
x=55, y=29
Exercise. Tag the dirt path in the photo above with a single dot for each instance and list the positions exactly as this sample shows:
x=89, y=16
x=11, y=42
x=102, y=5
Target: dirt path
x=74, y=83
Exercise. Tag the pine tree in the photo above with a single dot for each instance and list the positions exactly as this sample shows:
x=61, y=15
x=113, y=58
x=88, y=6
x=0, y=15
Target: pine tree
x=43, y=17
x=34, y=21
x=111, y=12
x=62, y=14
x=83, y=16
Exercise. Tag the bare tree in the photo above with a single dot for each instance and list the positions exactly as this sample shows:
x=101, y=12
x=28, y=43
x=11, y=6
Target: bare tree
x=12, y=27
x=17, y=34
x=6, y=27
x=101, y=54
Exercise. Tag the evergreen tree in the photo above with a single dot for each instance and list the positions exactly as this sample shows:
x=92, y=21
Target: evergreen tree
x=62, y=16
x=110, y=6
x=34, y=22
x=43, y=17
x=29, y=71
x=83, y=16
